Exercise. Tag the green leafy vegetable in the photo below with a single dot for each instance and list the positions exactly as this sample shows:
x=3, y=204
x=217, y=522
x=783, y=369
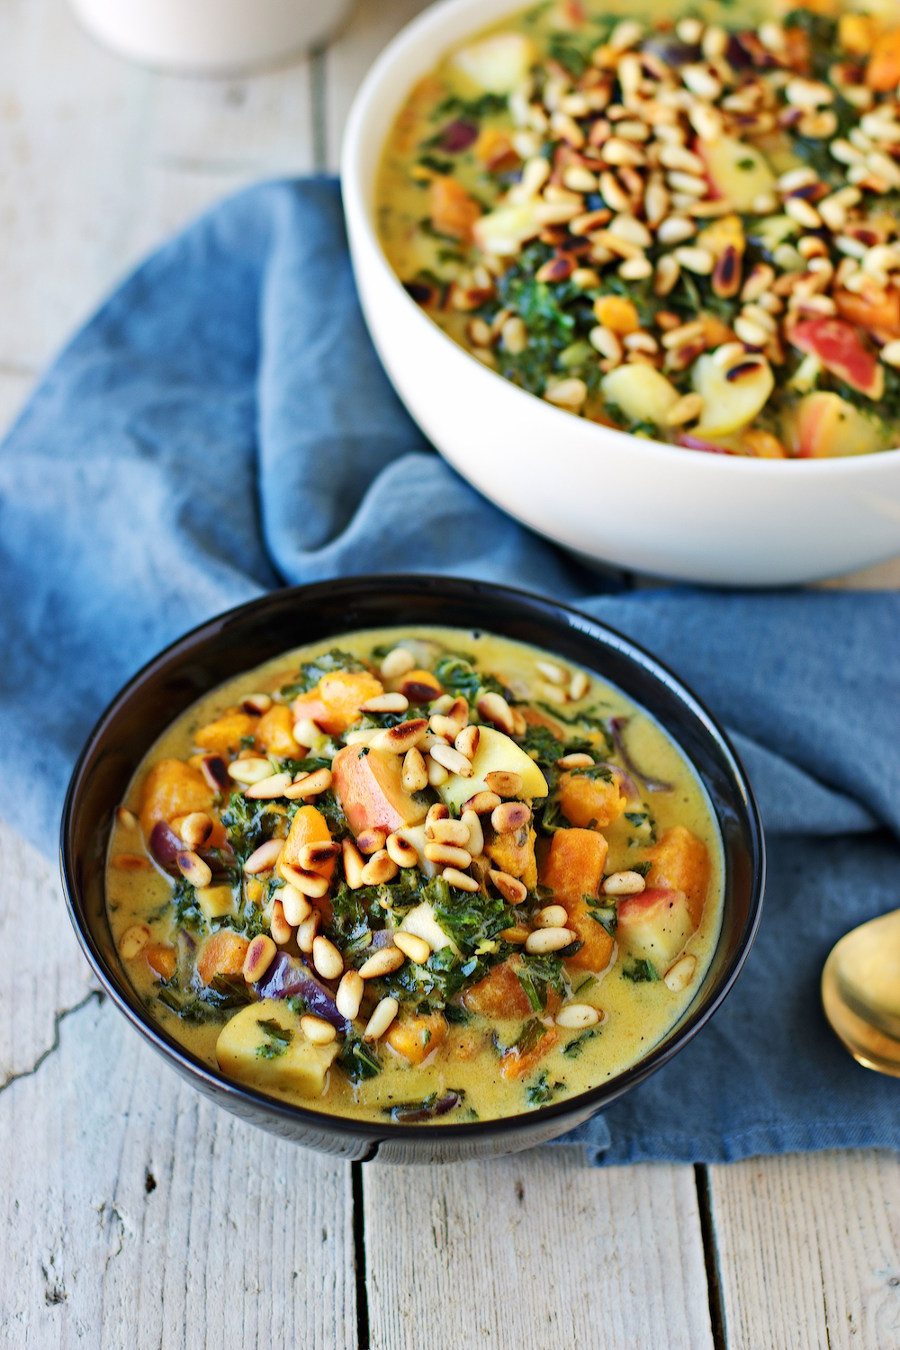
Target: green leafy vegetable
x=358, y=1060
x=640, y=971
x=277, y=1039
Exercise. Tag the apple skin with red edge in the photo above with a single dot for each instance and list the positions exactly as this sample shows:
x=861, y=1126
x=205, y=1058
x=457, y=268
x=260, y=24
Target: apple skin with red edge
x=368, y=784
x=840, y=348
x=655, y=925
x=826, y=426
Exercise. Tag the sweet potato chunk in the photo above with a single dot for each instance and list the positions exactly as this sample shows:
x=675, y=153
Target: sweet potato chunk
x=160, y=957
x=499, y=994
x=882, y=315
x=224, y=736
x=415, y=1037
x=590, y=803
x=680, y=862
x=275, y=733
x=516, y=1062
x=171, y=789
x=883, y=71
x=370, y=789
x=453, y=212
x=309, y=826
x=514, y=853
x=573, y=869
x=343, y=694
x=221, y=955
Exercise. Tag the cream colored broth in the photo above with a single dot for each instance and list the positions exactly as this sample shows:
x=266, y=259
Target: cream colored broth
x=635, y=1016
x=788, y=393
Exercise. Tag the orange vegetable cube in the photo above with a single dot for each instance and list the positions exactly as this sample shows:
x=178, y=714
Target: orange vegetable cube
x=499, y=994
x=161, y=959
x=309, y=826
x=221, y=955
x=415, y=1037
x=590, y=803
x=617, y=314
x=857, y=33
x=680, y=862
x=453, y=212
x=171, y=789
x=515, y=1063
x=275, y=733
x=224, y=736
x=573, y=868
x=883, y=71
x=513, y=853
x=343, y=693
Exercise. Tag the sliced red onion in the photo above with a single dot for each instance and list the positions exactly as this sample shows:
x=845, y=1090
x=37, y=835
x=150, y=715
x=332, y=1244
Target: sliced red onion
x=617, y=727
x=458, y=135
x=290, y=978
x=414, y=1113
x=697, y=443
x=165, y=845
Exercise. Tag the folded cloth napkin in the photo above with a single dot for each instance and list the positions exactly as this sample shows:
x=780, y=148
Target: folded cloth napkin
x=222, y=426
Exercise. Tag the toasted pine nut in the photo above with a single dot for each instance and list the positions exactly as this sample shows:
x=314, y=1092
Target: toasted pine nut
x=401, y=851
x=482, y=803
x=443, y=727
x=306, y=932
x=437, y=811
x=317, y=1030
x=258, y=957
x=449, y=832
x=215, y=772
x=381, y=963
x=370, y=841
x=279, y=927
x=250, y=770
x=551, y=916
x=576, y=1015
x=460, y=880
x=256, y=704
x=475, y=841
x=273, y=786
x=579, y=686
x=294, y=904
x=456, y=712
x=556, y=674
x=307, y=883
x=511, y=888
x=380, y=869
x=494, y=708
x=386, y=703
x=305, y=732
x=312, y=857
x=576, y=761
x=193, y=868
x=450, y=759
x=131, y=862
x=309, y=786
x=415, y=774
x=510, y=816
x=420, y=686
x=544, y=940
x=404, y=736
x=679, y=975
x=381, y=1019
x=413, y=946
x=353, y=864
x=467, y=741
x=133, y=941
x=397, y=663
x=127, y=819
x=437, y=774
x=503, y=784
x=327, y=959
x=448, y=854
x=349, y=994
x=195, y=828
x=624, y=883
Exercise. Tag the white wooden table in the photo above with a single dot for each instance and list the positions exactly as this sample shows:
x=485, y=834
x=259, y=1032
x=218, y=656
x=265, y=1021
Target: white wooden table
x=132, y=1213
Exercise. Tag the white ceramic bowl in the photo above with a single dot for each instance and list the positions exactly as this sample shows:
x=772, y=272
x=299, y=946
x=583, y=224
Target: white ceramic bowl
x=614, y=497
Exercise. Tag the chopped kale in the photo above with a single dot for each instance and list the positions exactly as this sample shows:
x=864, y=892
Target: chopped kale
x=538, y=975
x=277, y=1039
x=454, y=105
x=459, y=676
x=542, y=1091
x=207, y=1004
x=640, y=971
x=575, y=1047
x=249, y=822
x=311, y=672
x=358, y=1060
x=185, y=910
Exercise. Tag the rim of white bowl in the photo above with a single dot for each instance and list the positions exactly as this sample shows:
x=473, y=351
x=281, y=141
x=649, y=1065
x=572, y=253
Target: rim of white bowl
x=373, y=91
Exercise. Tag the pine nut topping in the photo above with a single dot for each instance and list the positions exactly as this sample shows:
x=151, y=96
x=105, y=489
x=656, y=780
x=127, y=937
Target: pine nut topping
x=353, y=864
x=294, y=905
x=264, y=857
x=279, y=927
x=381, y=963
x=415, y=774
x=370, y=841
x=317, y=1030
x=551, y=916
x=386, y=703
x=624, y=883
x=401, y=738
x=494, y=708
x=258, y=957
x=467, y=741
x=544, y=940
x=275, y=785
x=510, y=816
x=349, y=994
x=450, y=759
x=306, y=933
x=311, y=785
x=315, y=857
x=250, y=770
x=551, y=671
x=483, y=803
x=256, y=704
x=307, y=883
x=397, y=663
x=475, y=841
x=448, y=855
x=460, y=880
x=437, y=774
x=401, y=851
x=575, y=761
x=379, y=870
x=575, y=1016
x=679, y=975
x=413, y=946
x=513, y=890
x=133, y=941
x=327, y=959
x=449, y=832
x=381, y=1018
x=193, y=868
x=195, y=828
x=503, y=784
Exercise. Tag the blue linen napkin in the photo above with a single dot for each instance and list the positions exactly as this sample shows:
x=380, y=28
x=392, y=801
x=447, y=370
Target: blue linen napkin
x=223, y=426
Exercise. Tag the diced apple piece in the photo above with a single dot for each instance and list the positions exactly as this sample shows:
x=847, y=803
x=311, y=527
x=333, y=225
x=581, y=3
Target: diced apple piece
x=244, y=1051
x=641, y=392
x=840, y=348
x=655, y=925
x=730, y=403
x=215, y=901
x=369, y=786
x=504, y=231
x=737, y=171
x=499, y=63
x=827, y=425
x=496, y=752
x=422, y=922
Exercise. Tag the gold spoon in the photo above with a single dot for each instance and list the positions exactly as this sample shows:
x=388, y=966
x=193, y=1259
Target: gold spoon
x=861, y=993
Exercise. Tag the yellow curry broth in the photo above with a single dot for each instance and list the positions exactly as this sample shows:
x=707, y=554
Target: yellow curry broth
x=635, y=1016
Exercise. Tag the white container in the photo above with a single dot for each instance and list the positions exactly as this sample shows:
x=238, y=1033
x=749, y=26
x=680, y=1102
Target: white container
x=210, y=37
x=614, y=497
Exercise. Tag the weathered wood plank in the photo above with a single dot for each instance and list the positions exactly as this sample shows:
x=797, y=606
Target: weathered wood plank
x=534, y=1250
x=809, y=1251
x=134, y=1213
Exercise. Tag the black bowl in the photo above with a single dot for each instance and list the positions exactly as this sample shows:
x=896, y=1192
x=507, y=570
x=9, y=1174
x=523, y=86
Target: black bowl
x=264, y=628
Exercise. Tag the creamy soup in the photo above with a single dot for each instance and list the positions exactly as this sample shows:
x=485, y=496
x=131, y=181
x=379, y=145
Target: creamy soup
x=681, y=221
x=416, y=877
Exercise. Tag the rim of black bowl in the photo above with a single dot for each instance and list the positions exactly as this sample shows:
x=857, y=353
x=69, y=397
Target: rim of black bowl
x=117, y=986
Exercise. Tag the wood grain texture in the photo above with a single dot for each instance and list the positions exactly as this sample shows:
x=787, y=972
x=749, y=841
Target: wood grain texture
x=534, y=1250
x=809, y=1251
